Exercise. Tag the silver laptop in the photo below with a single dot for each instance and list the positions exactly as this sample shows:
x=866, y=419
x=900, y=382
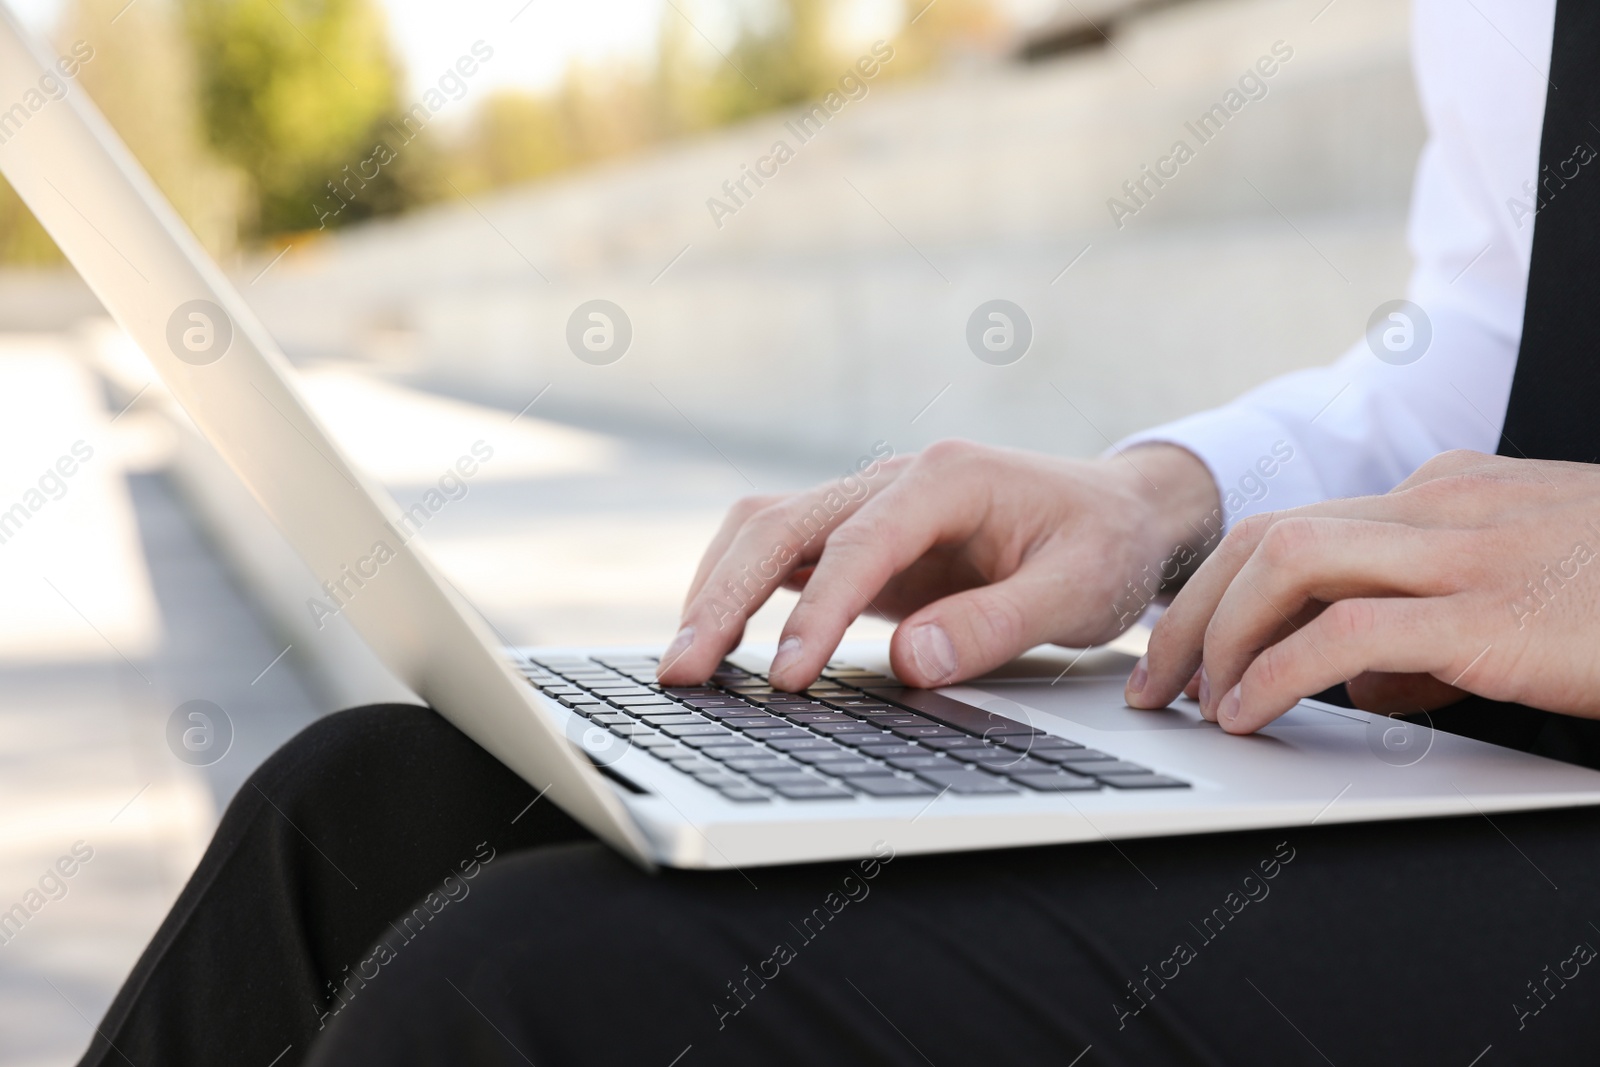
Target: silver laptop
x=732, y=773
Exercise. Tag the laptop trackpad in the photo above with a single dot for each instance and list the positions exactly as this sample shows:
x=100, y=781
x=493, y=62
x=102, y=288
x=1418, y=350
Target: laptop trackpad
x=1099, y=706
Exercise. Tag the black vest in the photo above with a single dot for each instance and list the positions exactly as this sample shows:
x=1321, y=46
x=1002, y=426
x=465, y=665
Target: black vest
x=1554, y=412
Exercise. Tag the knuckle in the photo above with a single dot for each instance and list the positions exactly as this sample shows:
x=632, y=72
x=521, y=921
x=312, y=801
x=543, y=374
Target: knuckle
x=1350, y=619
x=1270, y=669
x=863, y=531
x=1288, y=541
x=1248, y=531
x=1453, y=459
x=1002, y=619
x=951, y=450
x=748, y=507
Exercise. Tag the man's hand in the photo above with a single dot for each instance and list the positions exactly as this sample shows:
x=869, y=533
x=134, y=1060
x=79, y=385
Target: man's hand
x=1477, y=574
x=981, y=553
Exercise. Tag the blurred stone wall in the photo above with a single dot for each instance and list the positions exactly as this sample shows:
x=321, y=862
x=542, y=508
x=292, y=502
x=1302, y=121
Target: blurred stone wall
x=832, y=306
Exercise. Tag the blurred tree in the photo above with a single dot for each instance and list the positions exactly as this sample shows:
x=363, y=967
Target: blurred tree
x=784, y=54
x=939, y=33
x=141, y=77
x=296, y=91
x=22, y=240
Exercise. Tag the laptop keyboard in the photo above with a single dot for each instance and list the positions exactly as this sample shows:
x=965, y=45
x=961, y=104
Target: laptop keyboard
x=845, y=737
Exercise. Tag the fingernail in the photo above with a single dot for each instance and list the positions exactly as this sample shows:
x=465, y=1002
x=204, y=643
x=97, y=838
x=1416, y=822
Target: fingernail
x=1140, y=675
x=933, y=651
x=788, y=653
x=680, y=645
x=1228, y=710
x=1205, y=688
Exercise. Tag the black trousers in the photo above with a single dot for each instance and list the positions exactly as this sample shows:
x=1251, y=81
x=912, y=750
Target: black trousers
x=382, y=892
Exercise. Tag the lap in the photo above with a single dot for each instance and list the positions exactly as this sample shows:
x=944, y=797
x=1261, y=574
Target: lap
x=1376, y=943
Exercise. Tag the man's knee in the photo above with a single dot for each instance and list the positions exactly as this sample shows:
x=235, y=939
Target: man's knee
x=376, y=740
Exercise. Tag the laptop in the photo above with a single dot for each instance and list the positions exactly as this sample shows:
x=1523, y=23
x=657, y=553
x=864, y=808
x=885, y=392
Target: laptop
x=732, y=773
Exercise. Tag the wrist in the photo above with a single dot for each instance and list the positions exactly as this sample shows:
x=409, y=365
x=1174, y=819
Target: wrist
x=1182, y=506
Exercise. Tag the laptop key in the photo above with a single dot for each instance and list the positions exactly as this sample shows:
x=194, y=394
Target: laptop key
x=820, y=791
x=610, y=718
x=965, y=781
x=1013, y=767
x=720, y=742
x=802, y=744
x=727, y=750
x=1143, y=781
x=744, y=794
x=818, y=716
x=893, y=787
x=696, y=766
x=697, y=729
x=791, y=733
x=825, y=756
x=760, y=763
x=1071, y=755
x=1114, y=767
x=920, y=732
x=761, y=722
x=652, y=700
x=1038, y=742
x=880, y=750
x=894, y=719
x=719, y=779
x=854, y=769
x=945, y=744
x=788, y=777
x=1060, y=782
x=833, y=729
x=666, y=718
x=922, y=763
x=740, y=711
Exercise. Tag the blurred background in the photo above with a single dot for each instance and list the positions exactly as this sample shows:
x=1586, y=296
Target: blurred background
x=794, y=207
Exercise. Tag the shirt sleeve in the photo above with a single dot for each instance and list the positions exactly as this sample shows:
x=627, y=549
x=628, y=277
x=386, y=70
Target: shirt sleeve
x=1362, y=424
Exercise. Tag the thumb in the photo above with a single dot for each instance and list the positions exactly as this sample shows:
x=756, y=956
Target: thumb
x=964, y=635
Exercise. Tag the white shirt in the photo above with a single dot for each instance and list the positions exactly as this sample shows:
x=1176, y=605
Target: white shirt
x=1361, y=425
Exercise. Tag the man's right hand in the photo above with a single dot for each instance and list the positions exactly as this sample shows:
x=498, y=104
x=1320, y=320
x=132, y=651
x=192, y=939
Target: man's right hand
x=980, y=553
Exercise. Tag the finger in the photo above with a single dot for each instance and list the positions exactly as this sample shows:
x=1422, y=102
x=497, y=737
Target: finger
x=1392, y=634
x=1177, y=640
x=769, y=545
x=740, y=513
x=1208, y=698
x=1401, y=694
x=965, y=634
x=1305, y=559
x=883, y=538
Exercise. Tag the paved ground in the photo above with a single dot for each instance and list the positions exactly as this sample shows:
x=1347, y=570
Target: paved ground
x=84, y=757
x=572, y=536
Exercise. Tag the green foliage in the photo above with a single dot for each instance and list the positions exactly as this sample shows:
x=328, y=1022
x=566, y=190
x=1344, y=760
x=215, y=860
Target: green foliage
x=784, y=54
x=294, y=91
